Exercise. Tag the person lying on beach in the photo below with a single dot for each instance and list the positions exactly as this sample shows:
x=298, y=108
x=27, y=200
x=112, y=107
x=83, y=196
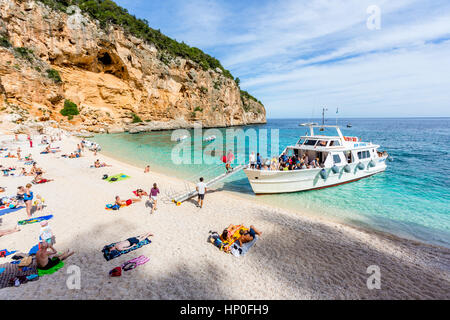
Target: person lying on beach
x=140, y=193
x=2, y=190
x=127, y=244
x=10, y=155
x=125, y=203
x=6, y=232
x=97, y=164
x=247, y=236
x=47, y=260
x=23, y=173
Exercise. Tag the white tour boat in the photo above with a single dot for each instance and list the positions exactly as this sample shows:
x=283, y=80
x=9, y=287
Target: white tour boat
x=341, y=160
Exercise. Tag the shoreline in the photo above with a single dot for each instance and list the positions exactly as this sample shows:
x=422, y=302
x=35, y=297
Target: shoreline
x=307, y=213
x=297, y=257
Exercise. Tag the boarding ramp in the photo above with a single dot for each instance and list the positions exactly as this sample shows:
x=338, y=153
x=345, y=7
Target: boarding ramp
x=189, y=193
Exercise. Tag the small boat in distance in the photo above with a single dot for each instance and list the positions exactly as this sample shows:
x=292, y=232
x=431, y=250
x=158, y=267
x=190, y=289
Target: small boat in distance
x=317, y=161
x=349, y=125
x=308, y=124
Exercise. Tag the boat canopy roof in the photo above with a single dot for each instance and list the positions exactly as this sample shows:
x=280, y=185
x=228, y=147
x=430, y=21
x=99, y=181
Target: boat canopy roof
x=335, y=142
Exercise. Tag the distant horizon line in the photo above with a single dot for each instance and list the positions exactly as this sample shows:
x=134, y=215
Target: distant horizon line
x=398, y=117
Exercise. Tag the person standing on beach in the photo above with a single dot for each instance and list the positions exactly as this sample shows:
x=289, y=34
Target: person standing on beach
x=147, y=169
x=201, y=189
x=28, y=198
x=154, y=197
x=31, y=141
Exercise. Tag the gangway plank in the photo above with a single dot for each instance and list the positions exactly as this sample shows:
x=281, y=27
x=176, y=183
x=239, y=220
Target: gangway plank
x=186, y=196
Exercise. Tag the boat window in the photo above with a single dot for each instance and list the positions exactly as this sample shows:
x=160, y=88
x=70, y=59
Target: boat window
x=300, y=142
x=322, y=143
x=310, y=142
x=363, y=155
x=336, y=158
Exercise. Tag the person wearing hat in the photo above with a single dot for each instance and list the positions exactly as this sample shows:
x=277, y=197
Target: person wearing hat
x=46, y=235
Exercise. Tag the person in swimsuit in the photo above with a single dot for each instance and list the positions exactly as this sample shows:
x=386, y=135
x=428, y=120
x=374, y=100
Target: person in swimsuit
x=247, y=236
x=47, y=260
x=28, y=198
x=125, y=203
x=127, y=244
x=6, y=232
x=140, y=193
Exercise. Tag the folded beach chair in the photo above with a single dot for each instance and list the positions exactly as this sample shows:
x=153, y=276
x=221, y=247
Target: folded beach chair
x=109, y=254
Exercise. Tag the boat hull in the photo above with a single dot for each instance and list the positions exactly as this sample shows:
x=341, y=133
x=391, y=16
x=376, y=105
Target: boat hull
x=269, y=182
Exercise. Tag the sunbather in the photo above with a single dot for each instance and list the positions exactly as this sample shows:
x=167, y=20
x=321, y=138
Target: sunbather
x=125, y=203
x=47, y=260
x=247, y=236
x=127, y=244
x=140, y=193
x=6, y=232
x=97, y=164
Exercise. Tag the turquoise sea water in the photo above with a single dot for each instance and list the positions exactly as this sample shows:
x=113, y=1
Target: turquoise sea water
x=411, y=199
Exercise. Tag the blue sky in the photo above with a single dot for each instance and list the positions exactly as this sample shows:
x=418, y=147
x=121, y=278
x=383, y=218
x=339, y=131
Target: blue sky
x=298, y=56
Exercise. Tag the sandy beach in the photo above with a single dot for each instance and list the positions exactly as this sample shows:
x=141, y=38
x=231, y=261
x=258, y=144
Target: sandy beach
x=297, y=257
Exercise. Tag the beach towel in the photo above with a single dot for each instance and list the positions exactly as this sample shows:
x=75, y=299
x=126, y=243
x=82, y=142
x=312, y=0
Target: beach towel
x=34, y=220
x=34, y=250
x=134, y=263
x=117, y=177
x=13, y=272
x=109, y=254
x=6, y=211
x=52, y=270
x=113, y=207
x=4, y=253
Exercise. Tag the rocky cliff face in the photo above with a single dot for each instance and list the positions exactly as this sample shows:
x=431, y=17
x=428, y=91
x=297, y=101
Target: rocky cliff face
x=111, y=76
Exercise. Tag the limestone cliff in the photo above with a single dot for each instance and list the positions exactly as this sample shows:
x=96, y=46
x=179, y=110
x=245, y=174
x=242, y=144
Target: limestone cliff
x=48, y=56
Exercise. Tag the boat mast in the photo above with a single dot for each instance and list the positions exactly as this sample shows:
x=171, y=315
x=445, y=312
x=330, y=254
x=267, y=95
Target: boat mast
x=323, y=119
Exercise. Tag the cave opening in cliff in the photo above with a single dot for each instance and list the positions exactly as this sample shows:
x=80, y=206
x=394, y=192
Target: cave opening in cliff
x=105, y=59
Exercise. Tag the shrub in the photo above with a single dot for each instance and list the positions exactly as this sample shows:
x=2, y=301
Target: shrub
x=70, y=109
x=136, y=118
x=198, y=109
x=24, y=53
x=54, y=75
x=4, y=42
